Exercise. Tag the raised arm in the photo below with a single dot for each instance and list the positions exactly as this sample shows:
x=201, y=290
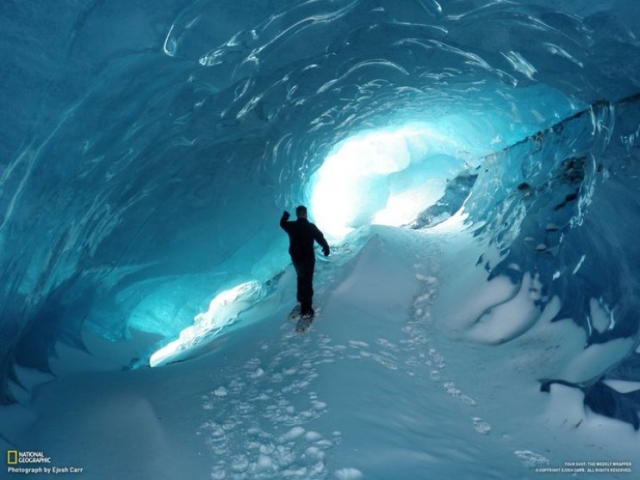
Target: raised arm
x=284, y=221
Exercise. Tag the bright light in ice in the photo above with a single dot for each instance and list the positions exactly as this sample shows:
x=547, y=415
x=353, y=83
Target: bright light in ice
x=390, y=176
x=403, y=208
x=347, y=177
x=223, y=310
x=381, y=177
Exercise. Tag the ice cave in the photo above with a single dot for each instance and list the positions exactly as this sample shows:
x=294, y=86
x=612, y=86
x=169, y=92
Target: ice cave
x=474, y=165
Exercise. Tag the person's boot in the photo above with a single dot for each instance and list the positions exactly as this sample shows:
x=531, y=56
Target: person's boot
x=308, y=313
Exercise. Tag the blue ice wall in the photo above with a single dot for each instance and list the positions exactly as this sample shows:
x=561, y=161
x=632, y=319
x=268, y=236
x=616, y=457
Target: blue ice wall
x=148, y=147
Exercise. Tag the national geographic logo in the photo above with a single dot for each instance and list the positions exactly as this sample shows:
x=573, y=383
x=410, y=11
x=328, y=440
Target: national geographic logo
x=35, y=463
x=15, y=457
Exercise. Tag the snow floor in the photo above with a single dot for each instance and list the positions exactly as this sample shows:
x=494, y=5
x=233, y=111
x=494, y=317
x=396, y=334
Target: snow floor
x=391, y=381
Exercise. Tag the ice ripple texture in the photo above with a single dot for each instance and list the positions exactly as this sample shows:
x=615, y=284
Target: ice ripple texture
x=110, y=229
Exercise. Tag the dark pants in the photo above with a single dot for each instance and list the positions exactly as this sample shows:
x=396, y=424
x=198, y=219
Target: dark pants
x=304, y=270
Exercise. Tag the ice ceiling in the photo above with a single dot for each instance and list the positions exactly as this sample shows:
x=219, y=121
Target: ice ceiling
x=149, y=147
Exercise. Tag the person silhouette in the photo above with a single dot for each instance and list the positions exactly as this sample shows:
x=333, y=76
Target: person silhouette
x=302, y=235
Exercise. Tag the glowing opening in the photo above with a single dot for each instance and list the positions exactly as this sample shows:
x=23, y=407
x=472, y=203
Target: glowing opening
x=382, y=177
x=389, y=176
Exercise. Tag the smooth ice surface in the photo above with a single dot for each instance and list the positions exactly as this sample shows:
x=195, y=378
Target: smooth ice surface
x=474, y=163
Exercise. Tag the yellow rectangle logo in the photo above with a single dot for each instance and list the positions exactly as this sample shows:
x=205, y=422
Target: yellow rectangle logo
x=12, y=457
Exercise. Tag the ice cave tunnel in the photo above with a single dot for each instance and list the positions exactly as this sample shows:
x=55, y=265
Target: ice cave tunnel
x=474, y=165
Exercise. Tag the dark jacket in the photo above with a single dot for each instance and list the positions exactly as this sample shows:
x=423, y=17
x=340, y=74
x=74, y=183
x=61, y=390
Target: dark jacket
x=302, y=234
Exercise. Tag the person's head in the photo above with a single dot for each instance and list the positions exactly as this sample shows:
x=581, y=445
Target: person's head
x=301, y=211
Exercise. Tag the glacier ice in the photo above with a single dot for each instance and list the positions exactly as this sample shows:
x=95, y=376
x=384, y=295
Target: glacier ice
x=148, y=150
